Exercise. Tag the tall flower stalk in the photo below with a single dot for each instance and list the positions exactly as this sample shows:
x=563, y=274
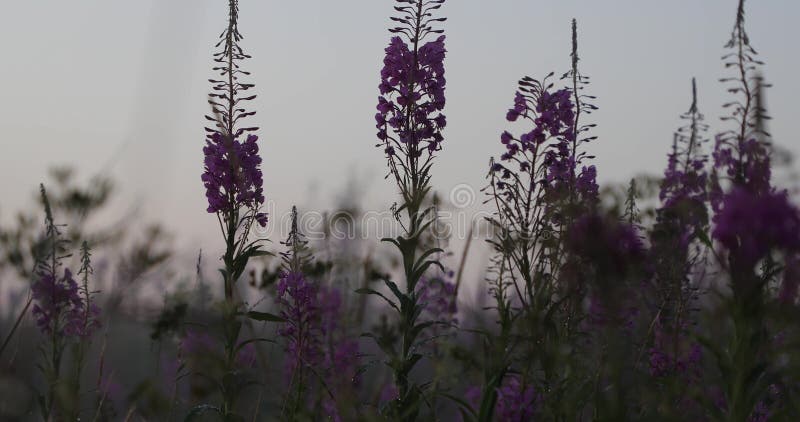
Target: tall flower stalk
x=64, y=313
x=518, y=181
x=582, y=184
x=741, y=154
x=410, y=122
x=572, y=189
x=303, y=327
x=518, y=189
x=320, y=358
x=753, y=223
x=233, y=181
x=681, y=219
x=539, y=186
x=85, y=324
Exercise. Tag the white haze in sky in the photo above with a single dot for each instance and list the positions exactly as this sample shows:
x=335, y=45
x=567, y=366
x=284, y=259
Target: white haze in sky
x=120, y=87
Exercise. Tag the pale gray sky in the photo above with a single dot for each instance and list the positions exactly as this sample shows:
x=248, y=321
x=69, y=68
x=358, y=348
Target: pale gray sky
x=122, y=85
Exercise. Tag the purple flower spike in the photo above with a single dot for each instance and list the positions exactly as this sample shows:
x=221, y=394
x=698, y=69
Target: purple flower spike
x=516, y=401
x=412, y=97
x=232, y=176
x=57, y=304
x=439, y=296
x=312, y=315
x=613, y=247
x=750, y=225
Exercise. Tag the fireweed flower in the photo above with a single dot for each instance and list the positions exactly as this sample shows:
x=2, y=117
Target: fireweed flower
x=58, y=303
x=315, y=339
x=84, y=321
x=516, y=401
x=388, y=394
x=518, y=183
x=439, y=296
x=683, y=196
x=312, y=329
x=88, y=318
x=558, y=118
x=606, y=264
x=232, y=175
x=318, y=347
x=409, y=117
x=586, y=183
x=749, y=226
x=761, y=413
x=62, y=307
x=303, y=329
x=770, y=406
x=681, y=215
x=63, y=311
x=521, y=179
x=571, y=192
x=233, y=182
x=666, y=357
x=541, y=183
x=742, y=154
x=607, y=256
x=613, y=248
x=569, y=178
x=539, y=186
x=764, y=409
x=341, y=352
x=410, y=123
x=746, y=164
x=551, y=116
x=197, y=343
x=685, y=179
x=751, y=221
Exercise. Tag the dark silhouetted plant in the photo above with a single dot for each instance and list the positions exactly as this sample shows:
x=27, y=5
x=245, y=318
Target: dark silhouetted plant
x=409, y=122
x=233, y=182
